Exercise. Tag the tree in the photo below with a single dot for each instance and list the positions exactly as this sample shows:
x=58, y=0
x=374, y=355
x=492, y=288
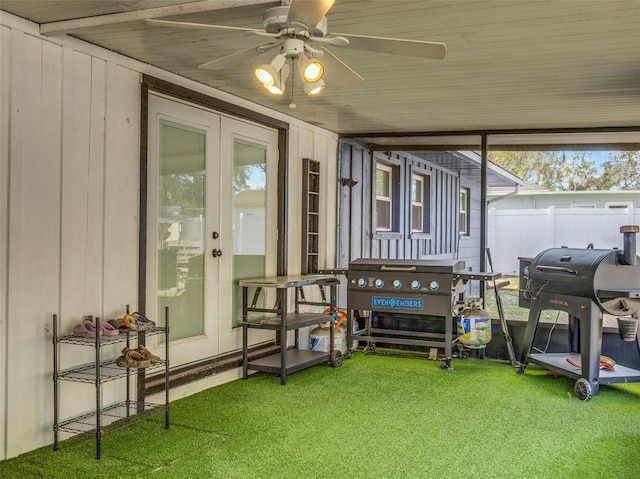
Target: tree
x=554, y=171
x=621, y=171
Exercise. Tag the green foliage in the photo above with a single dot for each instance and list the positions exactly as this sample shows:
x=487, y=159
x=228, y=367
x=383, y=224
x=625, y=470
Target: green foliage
x=577, y=171
x=622, y=170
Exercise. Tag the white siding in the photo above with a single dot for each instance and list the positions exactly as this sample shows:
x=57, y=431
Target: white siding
x=525, y=233
x=69, y=177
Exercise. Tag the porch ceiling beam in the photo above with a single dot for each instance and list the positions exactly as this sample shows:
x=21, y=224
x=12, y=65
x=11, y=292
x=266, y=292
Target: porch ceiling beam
x=75, y=25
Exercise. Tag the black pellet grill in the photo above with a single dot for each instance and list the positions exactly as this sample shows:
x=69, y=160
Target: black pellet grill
x=585, y=283
x=407, y=287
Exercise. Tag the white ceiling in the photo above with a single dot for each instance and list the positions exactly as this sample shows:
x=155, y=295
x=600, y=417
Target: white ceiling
x=510, y=65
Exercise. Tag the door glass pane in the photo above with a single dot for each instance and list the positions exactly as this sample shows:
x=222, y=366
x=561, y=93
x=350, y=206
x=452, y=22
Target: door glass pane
x=249, y=216
x=181, y=227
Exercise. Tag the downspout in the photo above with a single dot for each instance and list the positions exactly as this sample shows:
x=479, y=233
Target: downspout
x=507, y=195
x=483, y=211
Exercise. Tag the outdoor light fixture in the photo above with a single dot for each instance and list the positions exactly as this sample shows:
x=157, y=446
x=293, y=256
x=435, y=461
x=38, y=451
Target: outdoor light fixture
x=310, y=68
x=268, y=72
x=314, y=88
x=274, y=74
x=277, y=88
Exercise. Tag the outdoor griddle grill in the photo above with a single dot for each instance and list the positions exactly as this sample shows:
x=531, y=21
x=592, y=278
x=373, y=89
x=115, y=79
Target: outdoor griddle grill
x=583, y=283
x=409, y=287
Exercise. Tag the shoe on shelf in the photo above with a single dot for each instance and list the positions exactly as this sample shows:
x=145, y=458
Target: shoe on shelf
x=146, y=354
x=137, y=322
x=108, y=329
x=119, y=324
x=132, y=359
x=86, y=329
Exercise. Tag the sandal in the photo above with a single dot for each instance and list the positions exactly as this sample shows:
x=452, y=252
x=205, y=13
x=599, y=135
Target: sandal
x=146, y=354
x=85, y=330
x=137, y=322
x=118, y=323
x=132, y=359
x=108, y=330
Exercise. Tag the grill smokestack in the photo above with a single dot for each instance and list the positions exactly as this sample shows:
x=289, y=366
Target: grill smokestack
x=628, y=255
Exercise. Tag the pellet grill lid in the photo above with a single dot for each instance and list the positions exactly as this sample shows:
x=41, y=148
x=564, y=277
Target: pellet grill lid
x=594, y=273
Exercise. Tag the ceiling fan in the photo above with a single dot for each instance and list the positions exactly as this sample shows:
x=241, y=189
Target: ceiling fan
x=299, y=28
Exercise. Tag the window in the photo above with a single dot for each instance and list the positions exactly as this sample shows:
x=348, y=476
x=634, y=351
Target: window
x=464, y=211
x=583, y=206
x=384, y=197
x=420, y=208
x=417, y=203
x=618, y=204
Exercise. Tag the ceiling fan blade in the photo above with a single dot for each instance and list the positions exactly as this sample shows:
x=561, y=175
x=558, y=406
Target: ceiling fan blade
x=338, y=73
x=204, y=26
x=308, y=12
x=396, y=46
x=240, y=56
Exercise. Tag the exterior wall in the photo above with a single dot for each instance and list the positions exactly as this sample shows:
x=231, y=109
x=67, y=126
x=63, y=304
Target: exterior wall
x=469, y=246
x=565, y=199
x=69, y=176
x=357, y=235
x=525, y=233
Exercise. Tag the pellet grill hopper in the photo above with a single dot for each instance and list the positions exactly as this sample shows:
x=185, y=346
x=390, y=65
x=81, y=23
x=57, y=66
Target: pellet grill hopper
x=585, y=283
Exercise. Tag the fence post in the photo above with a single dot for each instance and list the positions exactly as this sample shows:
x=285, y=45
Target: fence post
x=552, y=225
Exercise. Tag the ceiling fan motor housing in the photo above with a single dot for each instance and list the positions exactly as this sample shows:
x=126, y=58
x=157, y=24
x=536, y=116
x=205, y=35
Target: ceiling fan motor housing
x=275, y=19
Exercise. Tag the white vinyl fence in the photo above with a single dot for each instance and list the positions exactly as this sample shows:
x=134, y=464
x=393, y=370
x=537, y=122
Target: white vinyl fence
x=524, y=233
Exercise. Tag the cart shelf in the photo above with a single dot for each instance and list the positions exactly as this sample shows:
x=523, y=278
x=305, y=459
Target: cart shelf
x=281, y=321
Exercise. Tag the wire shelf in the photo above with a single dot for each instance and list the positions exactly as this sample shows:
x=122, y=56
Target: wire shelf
x=112, y=418
x=109, y=371
x=105, y=340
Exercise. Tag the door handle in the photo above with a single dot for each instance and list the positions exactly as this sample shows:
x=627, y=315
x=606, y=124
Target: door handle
x=215, y=235
x=216, y=253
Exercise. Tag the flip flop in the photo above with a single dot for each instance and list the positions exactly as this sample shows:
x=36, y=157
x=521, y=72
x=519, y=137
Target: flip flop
x=137, y=322
x=605, y=363
x=118, y=323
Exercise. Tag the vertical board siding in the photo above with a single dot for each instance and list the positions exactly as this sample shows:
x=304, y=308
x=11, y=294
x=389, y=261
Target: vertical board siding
x=5, y=101
x=71, y=170
x=121, y=169
x=69, y=227
x=357, y=226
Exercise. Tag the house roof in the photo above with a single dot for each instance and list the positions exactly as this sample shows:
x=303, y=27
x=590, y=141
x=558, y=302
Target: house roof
x=558, y=69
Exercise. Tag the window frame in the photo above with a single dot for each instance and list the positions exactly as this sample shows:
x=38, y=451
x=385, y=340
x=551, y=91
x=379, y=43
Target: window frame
x=388, y=199
x=417, y=204
x=463, y=211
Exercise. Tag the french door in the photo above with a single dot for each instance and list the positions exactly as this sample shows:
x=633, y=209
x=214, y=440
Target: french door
x=211, y=195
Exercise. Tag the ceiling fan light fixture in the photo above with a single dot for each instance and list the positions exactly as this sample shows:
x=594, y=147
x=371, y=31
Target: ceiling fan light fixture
x=314, y=88
x=267, y=73
x=312, y=70
x=277, y=87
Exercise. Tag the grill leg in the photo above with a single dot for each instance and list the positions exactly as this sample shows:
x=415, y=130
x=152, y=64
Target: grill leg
x=529, y=334
x=591, y=347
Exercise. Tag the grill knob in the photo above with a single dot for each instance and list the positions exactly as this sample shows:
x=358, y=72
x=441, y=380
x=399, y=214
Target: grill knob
x=397, y=283
x=379, y=283
x=362, y=282
x=415, y=284
x=434, y=286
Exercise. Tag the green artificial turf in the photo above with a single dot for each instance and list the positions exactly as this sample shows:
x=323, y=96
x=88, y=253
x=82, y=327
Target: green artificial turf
x=378, y=416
